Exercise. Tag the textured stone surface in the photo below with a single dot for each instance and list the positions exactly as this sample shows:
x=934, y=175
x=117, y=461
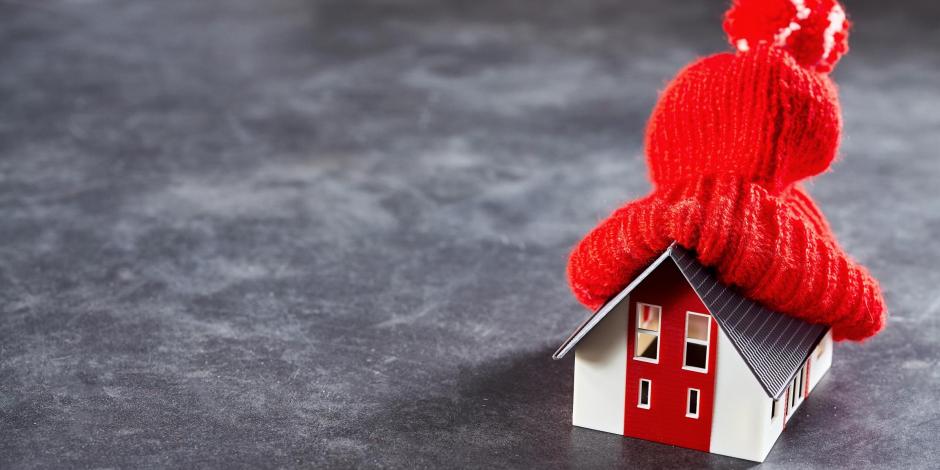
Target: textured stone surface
x=242, y=233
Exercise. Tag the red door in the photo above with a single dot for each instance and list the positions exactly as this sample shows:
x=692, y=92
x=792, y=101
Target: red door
x=671, y=343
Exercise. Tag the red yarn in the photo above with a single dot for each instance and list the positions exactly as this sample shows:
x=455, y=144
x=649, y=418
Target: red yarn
x=727, y=144
x=814, y=32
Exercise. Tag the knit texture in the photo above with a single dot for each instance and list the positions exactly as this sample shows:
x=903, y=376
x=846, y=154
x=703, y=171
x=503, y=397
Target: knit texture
x=727, y=145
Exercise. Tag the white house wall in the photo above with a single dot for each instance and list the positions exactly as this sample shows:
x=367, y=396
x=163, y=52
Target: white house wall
x=741, y=419
x=742, y=426
x=774, y=427
x=820, y=365
x=600, y=369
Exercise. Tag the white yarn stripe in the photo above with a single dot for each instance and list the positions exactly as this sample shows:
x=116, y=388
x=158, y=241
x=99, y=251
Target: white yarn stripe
x=836, y=21
x=802, y=12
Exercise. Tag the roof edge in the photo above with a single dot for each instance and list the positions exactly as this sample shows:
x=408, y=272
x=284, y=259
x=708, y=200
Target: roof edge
x=590, y=322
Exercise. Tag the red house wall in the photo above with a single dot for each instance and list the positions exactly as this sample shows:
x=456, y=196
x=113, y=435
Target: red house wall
x=665, y=421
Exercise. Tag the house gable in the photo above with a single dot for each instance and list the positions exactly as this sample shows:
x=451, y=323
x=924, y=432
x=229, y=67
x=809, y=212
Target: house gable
x=773, y=345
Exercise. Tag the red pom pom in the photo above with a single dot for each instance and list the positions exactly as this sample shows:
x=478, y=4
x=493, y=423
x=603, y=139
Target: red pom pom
x=814, y=32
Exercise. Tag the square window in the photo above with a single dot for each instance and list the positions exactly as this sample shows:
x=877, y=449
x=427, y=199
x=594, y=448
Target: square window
x=647, y=346
x=647, y=332
x=696, y=355
x=647, y=317
x=697, y=326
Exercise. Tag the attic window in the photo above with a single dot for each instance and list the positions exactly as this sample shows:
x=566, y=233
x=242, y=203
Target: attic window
x=697, y=334
x=647, y=332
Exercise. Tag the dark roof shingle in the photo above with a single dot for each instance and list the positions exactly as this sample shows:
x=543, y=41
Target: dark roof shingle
x=773, y=345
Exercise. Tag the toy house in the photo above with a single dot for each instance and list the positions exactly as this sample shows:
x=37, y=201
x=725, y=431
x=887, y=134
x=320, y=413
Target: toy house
x=679, y=358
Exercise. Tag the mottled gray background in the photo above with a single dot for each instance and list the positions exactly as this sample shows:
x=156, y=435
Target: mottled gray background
x=333, y=233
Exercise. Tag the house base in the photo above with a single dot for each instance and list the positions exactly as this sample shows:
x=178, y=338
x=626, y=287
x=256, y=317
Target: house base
x=599, y=386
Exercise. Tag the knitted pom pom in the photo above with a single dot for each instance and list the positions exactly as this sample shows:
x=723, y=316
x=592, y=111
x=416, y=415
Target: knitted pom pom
x=814, y=32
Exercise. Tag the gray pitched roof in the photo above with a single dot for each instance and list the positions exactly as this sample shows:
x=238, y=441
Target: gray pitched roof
x=773, y=345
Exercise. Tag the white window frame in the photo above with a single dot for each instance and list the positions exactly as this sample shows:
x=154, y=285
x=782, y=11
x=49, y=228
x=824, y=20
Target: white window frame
x=649, y=394
x=698, y=403
x=636, y=333
x=708, y=335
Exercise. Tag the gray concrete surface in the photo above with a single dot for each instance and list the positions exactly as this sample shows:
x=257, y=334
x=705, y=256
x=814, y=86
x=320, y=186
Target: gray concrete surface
x=333, y=233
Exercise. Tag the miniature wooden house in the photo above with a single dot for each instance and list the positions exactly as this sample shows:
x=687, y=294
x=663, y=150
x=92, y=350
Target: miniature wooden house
x=679, y=358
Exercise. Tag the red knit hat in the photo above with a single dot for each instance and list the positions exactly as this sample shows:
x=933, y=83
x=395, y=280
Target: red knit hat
x=727, y=145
